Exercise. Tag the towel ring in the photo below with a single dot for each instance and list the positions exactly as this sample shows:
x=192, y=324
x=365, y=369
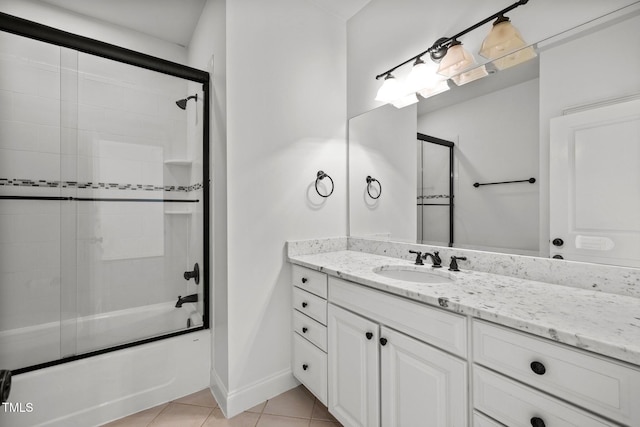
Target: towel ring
x=370, y=179
x=321, y=175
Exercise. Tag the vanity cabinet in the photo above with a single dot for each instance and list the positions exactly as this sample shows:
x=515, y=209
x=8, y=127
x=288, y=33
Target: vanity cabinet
x=582, y=379
x=379, y=376
x=310, y=330
x=376, y=359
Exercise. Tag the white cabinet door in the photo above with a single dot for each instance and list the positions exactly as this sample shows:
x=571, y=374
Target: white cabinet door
x=595, y=185
x=353, y=369
x=421, y=386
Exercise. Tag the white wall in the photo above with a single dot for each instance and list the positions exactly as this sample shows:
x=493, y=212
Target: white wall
x=209, y=40
x=286, y=108
x=388, y=32
x=571, y=76
x=278, y=116
x=384, y=143
x=496, y=137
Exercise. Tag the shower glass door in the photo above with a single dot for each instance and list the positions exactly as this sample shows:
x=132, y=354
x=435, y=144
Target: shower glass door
x=101, y=204
x=31, y=211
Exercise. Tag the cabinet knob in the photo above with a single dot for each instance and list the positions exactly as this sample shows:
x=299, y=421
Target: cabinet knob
x=537, y=422
x=305, y=367
x=304, y=280
x=558, y=257
x=538, y=368
x=557, y=242
x=304, y=305
x=369, y=335
x=383, y=341
x=304, y=330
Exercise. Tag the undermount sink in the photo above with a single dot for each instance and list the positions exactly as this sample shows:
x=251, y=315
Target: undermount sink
x=414, y=274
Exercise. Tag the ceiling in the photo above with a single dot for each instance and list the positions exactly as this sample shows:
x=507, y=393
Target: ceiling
x=171, y=20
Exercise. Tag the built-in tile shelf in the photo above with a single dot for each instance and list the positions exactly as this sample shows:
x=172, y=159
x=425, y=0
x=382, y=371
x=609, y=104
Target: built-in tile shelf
x=178, y=162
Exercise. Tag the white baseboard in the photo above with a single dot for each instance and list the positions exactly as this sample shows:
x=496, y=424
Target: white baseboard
x=234, y=402
x=219, y=391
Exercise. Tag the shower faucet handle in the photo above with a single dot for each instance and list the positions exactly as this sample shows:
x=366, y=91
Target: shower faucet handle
x=195, y=274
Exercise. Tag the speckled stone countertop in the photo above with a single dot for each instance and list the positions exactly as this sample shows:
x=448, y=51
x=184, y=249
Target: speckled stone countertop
x=604, y=323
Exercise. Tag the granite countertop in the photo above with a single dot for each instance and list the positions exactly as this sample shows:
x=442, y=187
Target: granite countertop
x=604, y=323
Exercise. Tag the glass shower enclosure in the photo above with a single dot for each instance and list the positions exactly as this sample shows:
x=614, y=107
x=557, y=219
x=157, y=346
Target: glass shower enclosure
x=103, y=197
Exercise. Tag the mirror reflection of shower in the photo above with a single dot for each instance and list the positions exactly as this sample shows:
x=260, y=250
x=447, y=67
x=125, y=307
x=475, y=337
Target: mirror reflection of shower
x=182, y=103
x=435, y=191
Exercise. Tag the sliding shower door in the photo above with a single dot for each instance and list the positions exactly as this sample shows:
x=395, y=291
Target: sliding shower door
x=31, y=211
x=102, y=204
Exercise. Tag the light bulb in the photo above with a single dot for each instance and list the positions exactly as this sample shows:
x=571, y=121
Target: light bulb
x=424, y=80
x=390, y=90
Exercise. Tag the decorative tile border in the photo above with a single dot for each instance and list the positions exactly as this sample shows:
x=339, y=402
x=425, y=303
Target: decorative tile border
x=435, y=196
x=17, y=182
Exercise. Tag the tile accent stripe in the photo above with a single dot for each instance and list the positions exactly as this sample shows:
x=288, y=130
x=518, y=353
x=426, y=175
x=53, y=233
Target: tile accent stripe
x=18, y=182
x=435, y=196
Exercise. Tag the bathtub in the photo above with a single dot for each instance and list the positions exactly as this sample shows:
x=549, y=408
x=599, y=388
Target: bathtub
x=37, y=344
x=99, y=389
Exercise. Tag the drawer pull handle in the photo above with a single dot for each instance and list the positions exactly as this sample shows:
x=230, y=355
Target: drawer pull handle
x=538, y=368
x=304, y=280
x=304, y=330
x=537, y=422
x=304, y=305
x=383, y=341
x=305, y=367
x=369, y=335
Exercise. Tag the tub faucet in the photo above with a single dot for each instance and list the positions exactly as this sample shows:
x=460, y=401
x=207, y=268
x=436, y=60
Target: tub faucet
x=188, y=298
x=435, y=259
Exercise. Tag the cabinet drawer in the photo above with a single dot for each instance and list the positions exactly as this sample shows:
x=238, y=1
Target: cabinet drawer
x=604, y=386
x=435, y=326
x=310, y=280
x=311, y=305
x=310, y=329
x=481, y=420
x=310, y=367
x=516, y=405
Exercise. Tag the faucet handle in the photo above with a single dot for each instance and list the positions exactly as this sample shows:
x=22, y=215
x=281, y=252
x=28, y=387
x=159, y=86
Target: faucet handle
x=418, y=257
x=454, y=262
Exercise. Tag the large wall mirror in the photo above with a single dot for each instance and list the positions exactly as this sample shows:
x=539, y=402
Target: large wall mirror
x=556, y=140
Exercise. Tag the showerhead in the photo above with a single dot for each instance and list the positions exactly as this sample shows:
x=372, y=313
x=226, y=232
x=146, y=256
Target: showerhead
x=182, y=103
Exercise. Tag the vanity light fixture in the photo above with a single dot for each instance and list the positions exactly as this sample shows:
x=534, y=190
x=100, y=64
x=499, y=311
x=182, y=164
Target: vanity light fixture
x=470, y=76
x=501, y=45
x=456, y=60
x=424, y=80
x=505, y=45
x=390, y=90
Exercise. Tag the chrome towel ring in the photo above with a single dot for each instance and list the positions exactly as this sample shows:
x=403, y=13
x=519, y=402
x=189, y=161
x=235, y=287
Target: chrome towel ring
x=370, y=179
x=320, y=176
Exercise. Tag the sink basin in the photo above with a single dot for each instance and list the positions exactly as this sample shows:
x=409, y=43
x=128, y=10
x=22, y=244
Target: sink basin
x=414, y=274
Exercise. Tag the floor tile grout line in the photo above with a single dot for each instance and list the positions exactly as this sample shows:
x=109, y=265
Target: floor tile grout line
x=166, y=405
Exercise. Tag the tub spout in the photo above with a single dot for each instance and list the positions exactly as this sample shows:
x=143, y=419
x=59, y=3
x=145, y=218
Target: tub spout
x=188, y=298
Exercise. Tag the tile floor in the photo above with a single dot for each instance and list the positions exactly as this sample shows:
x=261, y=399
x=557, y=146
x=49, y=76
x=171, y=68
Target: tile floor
x=294, y=408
